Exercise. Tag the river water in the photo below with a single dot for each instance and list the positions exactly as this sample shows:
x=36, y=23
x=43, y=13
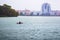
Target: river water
x=33, y=28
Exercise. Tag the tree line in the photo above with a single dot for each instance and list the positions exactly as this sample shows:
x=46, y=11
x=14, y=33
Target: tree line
x=6, y=10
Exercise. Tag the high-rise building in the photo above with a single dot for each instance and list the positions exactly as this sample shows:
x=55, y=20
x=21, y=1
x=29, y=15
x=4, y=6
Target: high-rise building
x=46, y=9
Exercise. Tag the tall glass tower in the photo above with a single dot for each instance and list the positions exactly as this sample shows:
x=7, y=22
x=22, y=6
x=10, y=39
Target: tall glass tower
x=46, y=9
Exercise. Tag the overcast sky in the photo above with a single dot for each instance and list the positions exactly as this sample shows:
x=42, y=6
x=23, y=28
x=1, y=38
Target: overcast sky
x=31, y=4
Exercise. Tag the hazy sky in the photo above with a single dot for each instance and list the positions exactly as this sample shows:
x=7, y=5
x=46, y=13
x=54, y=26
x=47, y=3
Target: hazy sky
x=31, y=4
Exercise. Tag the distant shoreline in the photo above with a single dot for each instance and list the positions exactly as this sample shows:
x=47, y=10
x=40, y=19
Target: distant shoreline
x=38, y=16
x=52, y=16
x=30, y=16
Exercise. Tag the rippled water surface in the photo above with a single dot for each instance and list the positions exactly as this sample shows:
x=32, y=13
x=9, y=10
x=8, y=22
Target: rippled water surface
x=33, y=28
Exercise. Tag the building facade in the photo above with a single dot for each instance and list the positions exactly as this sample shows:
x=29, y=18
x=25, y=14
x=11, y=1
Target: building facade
x=46, y=9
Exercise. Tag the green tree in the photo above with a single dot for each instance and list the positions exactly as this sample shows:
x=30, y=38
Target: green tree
x=6, y=10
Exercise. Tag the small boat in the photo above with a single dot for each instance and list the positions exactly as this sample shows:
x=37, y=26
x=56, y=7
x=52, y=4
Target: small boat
x=19, y=22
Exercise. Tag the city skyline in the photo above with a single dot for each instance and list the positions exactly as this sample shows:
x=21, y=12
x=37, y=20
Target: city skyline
x=31, y=4
x=45, y=11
